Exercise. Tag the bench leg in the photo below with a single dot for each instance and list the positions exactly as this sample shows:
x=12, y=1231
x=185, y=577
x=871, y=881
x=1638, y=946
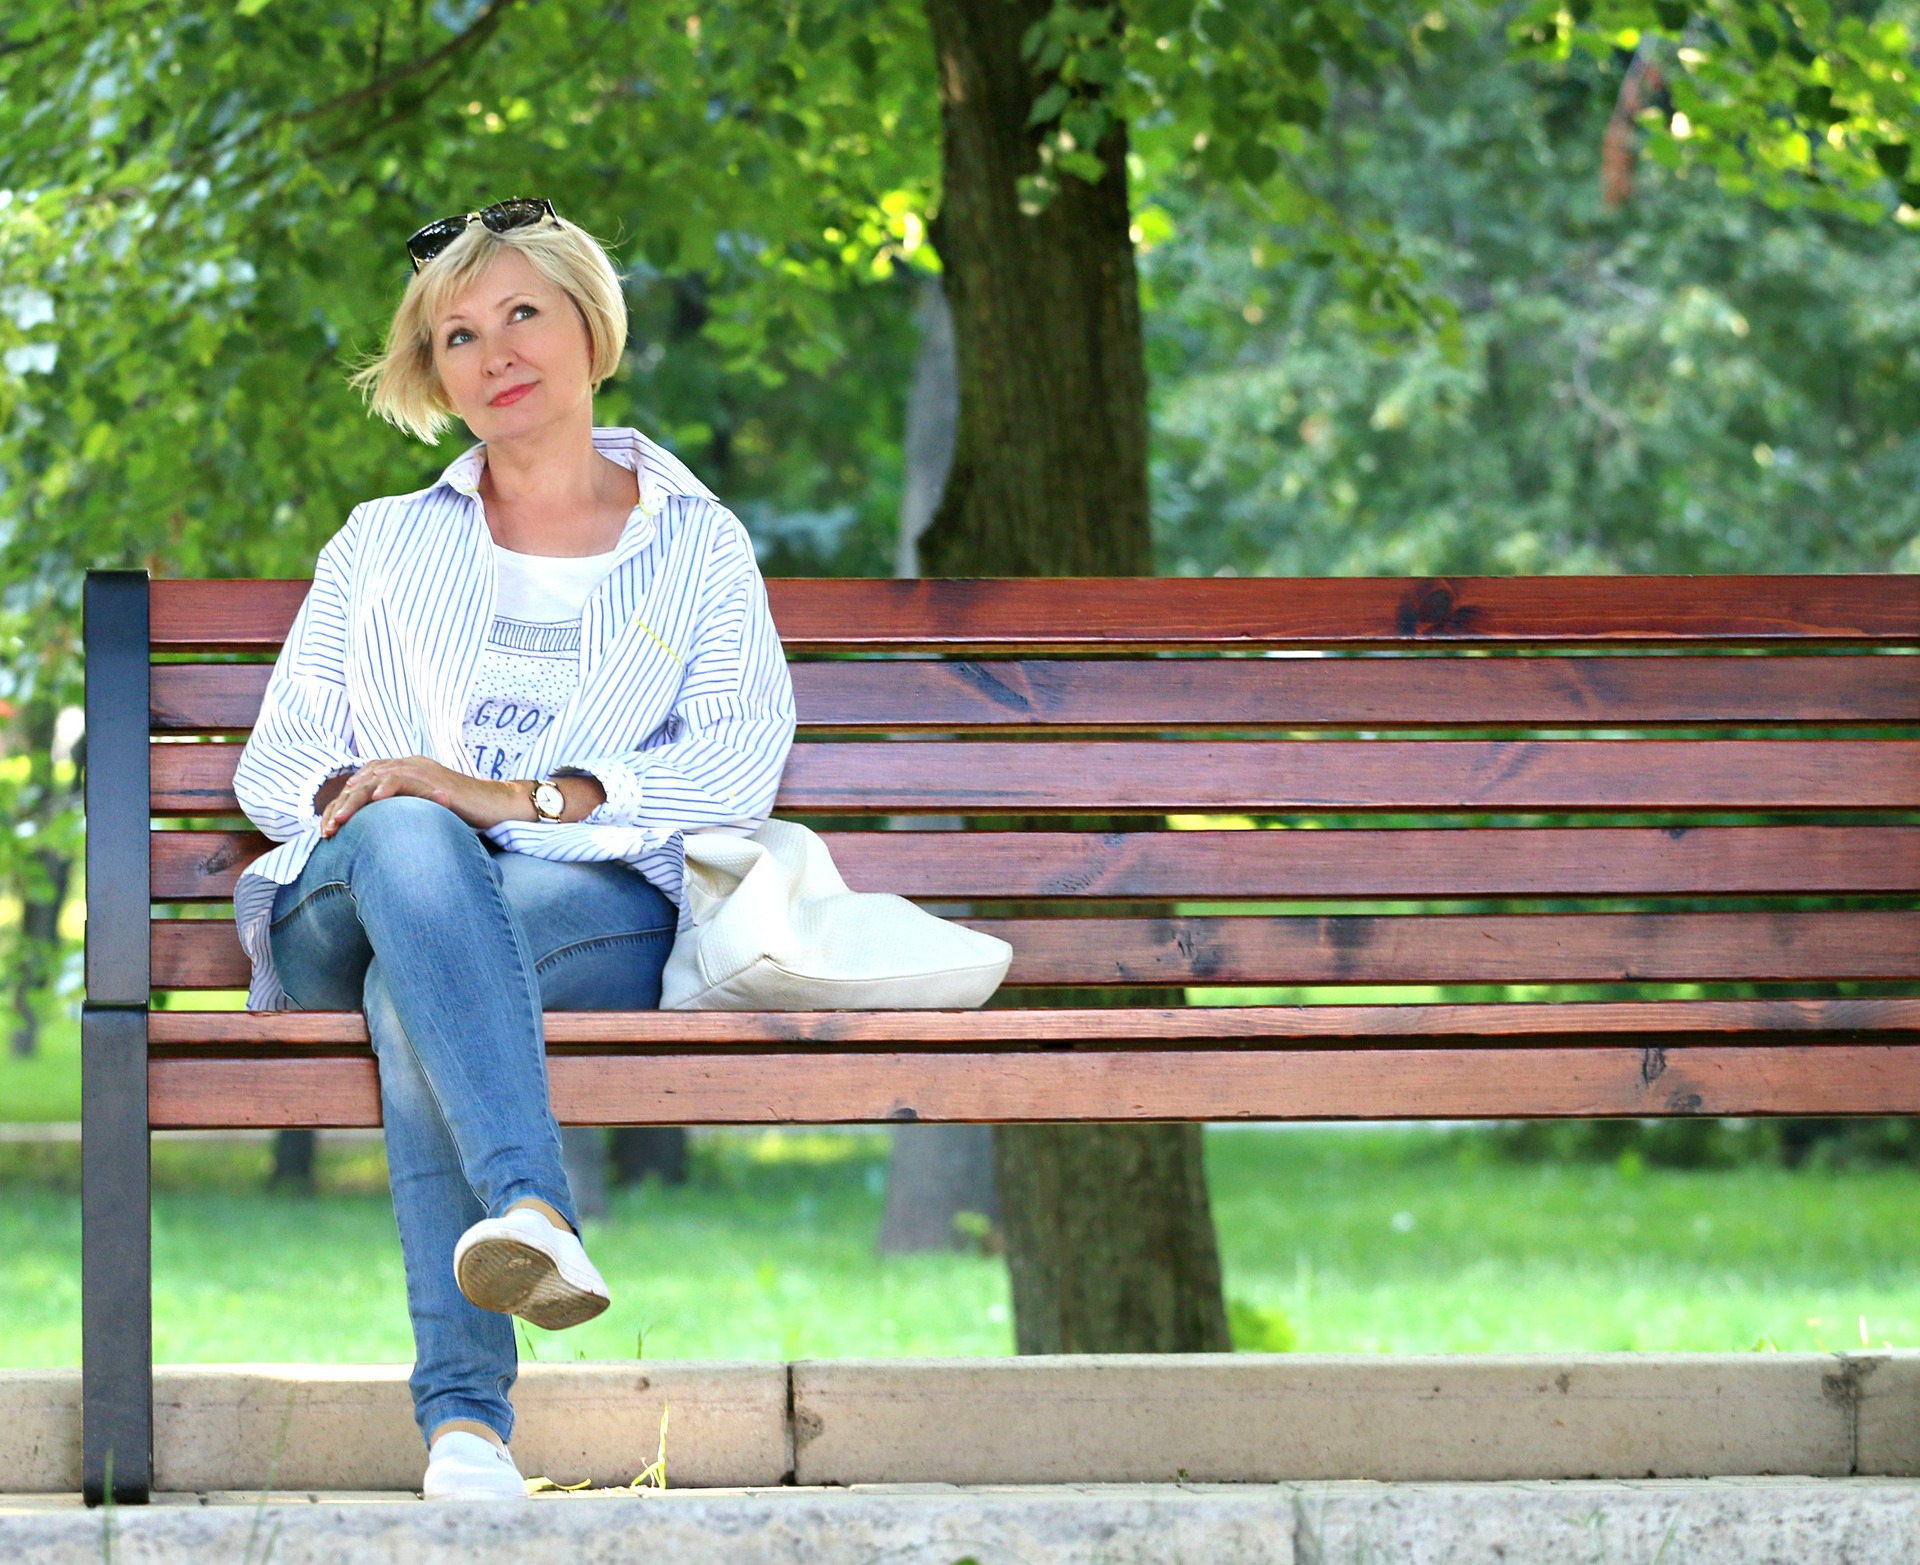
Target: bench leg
x=116, y=1257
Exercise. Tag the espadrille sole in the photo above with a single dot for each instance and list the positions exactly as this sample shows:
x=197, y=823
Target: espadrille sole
x=516, y=1278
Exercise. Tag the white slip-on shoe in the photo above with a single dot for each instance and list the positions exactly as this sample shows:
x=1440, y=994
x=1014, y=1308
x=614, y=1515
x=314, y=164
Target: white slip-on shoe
x=464, y=1466
x=522, y=1265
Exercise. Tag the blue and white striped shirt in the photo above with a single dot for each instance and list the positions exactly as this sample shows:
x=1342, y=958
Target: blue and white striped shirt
x=683, y=710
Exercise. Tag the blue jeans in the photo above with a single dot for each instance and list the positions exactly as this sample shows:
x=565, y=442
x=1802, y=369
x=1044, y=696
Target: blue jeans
x=453, y=947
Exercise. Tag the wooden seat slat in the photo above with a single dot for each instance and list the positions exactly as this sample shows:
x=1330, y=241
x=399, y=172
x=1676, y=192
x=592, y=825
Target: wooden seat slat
x=1454, y=863
x=1333, y=775
x=1215, y=1085
x=1252, y=1023
x=1190, y=693
x=1164, y=614
x=1397, y=949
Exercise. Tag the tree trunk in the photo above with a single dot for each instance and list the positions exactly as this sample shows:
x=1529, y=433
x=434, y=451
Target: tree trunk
x=294, y=1150
x=583, y=1149
x=933, y=411
x=44, y=875
x=1110, y=1239
x=937, y=1173
x=1109, y=1232
x=640, y=1150
x=1050, y=465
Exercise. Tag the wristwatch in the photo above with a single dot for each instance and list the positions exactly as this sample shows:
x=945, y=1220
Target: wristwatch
x=548, y=800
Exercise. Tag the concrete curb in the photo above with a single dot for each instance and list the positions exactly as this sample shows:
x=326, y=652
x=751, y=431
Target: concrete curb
x=1711, y=1522
x=1253, y=1418
x=1244, y=1418
x=350, y=1426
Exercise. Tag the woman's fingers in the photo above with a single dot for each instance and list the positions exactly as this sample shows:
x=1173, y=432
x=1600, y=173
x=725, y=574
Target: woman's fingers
x=363, y=787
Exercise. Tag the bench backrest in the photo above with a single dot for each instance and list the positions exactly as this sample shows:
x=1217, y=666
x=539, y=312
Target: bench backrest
x=1649, y=784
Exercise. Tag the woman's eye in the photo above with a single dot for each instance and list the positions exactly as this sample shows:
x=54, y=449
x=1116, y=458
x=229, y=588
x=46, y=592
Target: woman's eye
x=455, y=336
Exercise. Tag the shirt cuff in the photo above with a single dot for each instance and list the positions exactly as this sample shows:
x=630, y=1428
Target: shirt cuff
x=624, y=795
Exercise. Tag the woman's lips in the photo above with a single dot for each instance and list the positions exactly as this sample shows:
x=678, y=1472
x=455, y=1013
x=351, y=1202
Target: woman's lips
x=511, y=395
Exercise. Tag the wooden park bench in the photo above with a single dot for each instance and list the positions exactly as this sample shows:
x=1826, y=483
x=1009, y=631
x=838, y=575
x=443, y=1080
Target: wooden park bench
x=1702, y=794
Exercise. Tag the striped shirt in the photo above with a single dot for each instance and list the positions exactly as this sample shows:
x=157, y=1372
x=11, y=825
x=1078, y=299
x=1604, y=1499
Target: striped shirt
x=683, y=708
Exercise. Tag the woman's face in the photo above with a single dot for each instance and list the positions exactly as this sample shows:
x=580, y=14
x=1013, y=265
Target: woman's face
x=512, y=352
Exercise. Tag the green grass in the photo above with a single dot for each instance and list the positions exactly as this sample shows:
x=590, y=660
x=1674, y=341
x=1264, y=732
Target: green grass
x=1412, y=1242
x=47, y=1086
x=1364, y=1240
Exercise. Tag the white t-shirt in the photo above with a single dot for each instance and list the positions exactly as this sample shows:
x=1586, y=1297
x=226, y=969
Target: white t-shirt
x=530, y=662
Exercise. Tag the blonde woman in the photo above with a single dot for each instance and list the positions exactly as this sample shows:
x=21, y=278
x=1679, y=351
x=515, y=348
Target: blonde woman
x=504, y=699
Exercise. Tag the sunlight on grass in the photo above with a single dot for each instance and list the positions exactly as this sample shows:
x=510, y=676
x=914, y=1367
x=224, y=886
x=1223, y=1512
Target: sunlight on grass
x=1338, y=1240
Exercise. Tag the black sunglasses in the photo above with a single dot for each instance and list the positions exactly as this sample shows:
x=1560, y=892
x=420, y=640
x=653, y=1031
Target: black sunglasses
x=425, y=243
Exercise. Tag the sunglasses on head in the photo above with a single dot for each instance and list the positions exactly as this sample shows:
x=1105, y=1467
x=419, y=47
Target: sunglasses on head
x=425, y=243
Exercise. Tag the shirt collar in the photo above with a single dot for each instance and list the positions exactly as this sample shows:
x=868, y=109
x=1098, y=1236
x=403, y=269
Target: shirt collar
x=620, y=445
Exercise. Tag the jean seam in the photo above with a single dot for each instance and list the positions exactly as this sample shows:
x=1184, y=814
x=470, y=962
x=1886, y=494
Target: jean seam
x=601, y=940
x=304, y=902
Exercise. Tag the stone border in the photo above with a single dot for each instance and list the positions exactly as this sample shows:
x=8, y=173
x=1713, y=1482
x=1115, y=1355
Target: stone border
x=1244, y=1418
x=1780, y=1521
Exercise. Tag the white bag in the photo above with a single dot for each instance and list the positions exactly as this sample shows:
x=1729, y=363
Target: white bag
x=774, y=928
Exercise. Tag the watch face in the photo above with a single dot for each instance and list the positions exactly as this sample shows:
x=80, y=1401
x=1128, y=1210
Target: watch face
x=548, y=800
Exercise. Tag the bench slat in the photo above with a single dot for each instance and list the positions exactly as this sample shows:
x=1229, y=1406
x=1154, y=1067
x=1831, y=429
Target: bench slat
x=1296, y=693
x=640, y=1030
x=1118, y=776
x=1398, y=949
x=1225, y=866
x=1152, y=614
x=822, y=1088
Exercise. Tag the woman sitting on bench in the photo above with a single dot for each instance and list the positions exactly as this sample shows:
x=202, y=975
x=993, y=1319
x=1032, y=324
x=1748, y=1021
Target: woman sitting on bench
x=504, y=698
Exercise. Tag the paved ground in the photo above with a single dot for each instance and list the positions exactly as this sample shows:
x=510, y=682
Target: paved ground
x=1750, y=1521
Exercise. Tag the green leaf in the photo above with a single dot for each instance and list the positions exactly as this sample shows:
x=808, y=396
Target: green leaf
x=1159, y=17
x=1813, y=101
x=1223, y=27
x=1255, y=161
x=1048, y=105
x=1082, y=165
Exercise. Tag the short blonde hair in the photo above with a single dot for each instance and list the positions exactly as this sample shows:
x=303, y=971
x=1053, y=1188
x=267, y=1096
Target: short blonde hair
x=400, y=383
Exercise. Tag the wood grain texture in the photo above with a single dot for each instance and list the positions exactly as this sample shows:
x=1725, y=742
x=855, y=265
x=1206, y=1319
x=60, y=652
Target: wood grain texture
x=1332, y=775
x=1252, y=693
x=1757, y=1020
x=1399, y=949
x=1212, y=1085
x=1225, y=866
x=1148, y=614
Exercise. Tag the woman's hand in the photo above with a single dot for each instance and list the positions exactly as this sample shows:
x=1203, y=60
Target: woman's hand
x=479, y=801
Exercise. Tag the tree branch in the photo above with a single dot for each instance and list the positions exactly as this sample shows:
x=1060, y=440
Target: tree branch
x=91, y=26
x=483, y=28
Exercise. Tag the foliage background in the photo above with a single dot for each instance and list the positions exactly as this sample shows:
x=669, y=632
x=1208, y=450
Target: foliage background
x=1393, y=325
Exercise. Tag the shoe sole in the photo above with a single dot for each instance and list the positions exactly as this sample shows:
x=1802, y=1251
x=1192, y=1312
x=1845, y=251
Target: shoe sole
x=517, y=1279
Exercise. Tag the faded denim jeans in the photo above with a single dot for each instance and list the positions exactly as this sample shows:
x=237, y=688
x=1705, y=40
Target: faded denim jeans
x=453, y=948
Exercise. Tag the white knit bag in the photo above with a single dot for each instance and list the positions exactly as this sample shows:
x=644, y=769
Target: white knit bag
x=773, y=927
